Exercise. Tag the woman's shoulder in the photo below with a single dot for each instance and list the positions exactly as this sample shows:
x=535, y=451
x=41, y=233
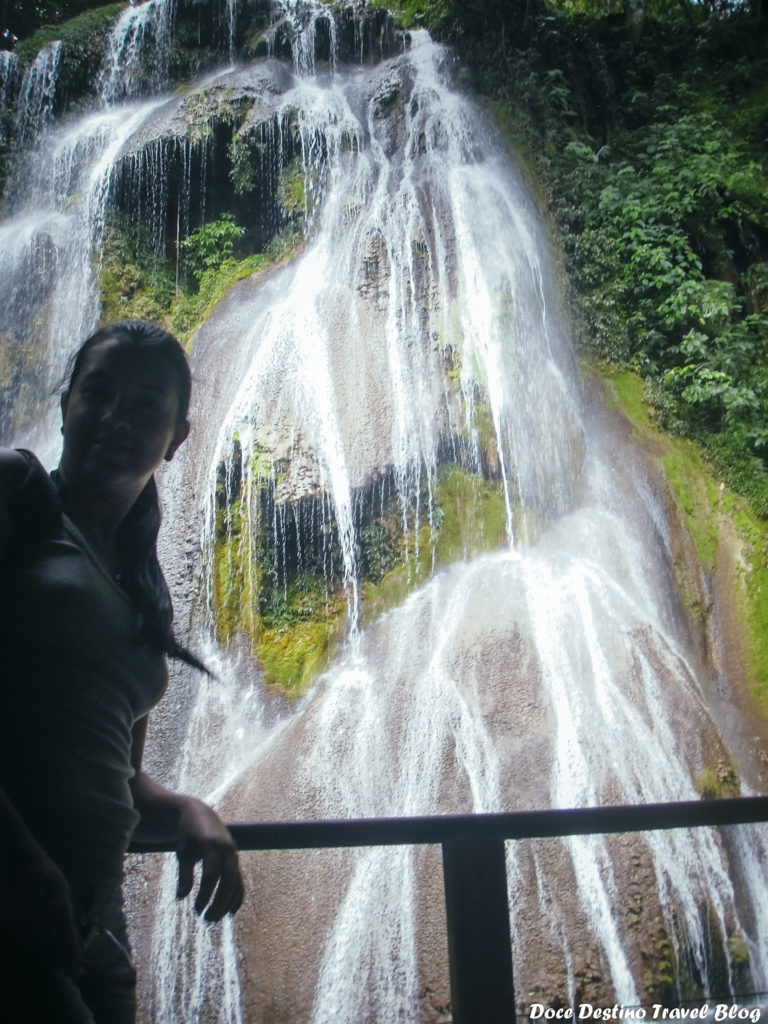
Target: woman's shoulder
x=14, y=466
x=28, y=501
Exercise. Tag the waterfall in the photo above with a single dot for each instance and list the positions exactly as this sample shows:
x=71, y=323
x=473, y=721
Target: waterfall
x=56, y=224
x=9, y=69
x=56, y=198
x=137, y=51
x=37, y=94
x=301, y=21
x=540, y=675
x=408, y=366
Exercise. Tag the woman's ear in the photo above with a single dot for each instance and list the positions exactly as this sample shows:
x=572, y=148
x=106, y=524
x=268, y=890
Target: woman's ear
x=180, y=435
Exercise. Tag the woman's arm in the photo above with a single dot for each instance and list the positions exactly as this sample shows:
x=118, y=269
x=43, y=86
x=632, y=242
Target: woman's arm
x=197, y=831
x=13, y=469
x=36, y=914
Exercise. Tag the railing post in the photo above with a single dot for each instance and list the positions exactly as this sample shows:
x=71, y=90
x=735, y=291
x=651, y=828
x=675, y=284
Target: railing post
x=479, y=946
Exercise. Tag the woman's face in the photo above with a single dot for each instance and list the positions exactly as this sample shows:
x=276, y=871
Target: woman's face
x=121, y=414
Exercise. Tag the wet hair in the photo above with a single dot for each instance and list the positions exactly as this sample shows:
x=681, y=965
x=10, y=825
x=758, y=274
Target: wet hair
x=142, y=577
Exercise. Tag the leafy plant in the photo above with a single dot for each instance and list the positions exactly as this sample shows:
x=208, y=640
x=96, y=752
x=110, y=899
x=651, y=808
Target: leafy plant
x=211, y=245
x=662, y=225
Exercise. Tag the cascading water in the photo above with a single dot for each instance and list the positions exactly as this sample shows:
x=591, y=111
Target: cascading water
x=140, y=40
x=56, y=199
x=9, y=66
x=415, y=338
x=539, y=676
x=38, y=88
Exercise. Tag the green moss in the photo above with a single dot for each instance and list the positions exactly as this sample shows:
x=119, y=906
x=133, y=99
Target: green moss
x=720, y=782
x=218, y=104
x=289, y=629
x=291, y=190
x=134, y=282
x=292, y=656
x=697, y=496
x=78, y=35
x=738, y=952
x=752, y=590
x=694, y=488
x=696, y=492
x=190, y=311
x=661, y=978
x=703, y=501
x=473, y=515
x=82, y=45
x=469, y=517
x=627, y=391
x=236, y=580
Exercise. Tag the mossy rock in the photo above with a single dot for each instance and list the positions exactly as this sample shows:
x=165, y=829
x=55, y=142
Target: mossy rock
x=720, y=782
x=82, y=44
x=710, y=510
x=752, y=589
x=293, y=624
x=292, y=656
x=738, y=952
x=697, y=497
x=473, y=515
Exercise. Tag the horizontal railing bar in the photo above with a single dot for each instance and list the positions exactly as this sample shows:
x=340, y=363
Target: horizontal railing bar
x=438, y=829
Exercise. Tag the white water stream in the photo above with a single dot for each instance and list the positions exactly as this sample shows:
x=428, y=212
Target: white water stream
x=554, y=672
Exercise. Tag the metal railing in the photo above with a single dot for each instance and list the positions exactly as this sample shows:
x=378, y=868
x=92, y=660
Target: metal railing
x=474, y=872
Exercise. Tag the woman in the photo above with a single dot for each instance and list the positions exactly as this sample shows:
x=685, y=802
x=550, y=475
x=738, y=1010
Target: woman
x=85, y=628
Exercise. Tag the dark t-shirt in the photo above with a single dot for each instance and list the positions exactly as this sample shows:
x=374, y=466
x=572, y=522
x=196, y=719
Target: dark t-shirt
x=75, y=675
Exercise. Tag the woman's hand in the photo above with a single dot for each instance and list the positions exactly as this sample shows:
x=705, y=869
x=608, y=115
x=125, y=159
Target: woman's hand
x=203, y=838
x=199, y=834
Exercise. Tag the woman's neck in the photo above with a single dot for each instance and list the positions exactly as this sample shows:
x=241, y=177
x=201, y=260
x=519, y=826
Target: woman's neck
x=98, y=514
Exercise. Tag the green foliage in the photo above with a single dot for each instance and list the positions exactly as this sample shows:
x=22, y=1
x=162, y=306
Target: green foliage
x=211, y=245
x=421, y=13
x=753, y=595
x=134, y=280
x=243, y=163
x=379, y=549
x=292, y=191
x=191, y=310
x=652, y=152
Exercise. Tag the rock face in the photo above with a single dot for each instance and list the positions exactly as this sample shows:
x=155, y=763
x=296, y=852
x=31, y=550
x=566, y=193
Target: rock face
x=491, y=657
